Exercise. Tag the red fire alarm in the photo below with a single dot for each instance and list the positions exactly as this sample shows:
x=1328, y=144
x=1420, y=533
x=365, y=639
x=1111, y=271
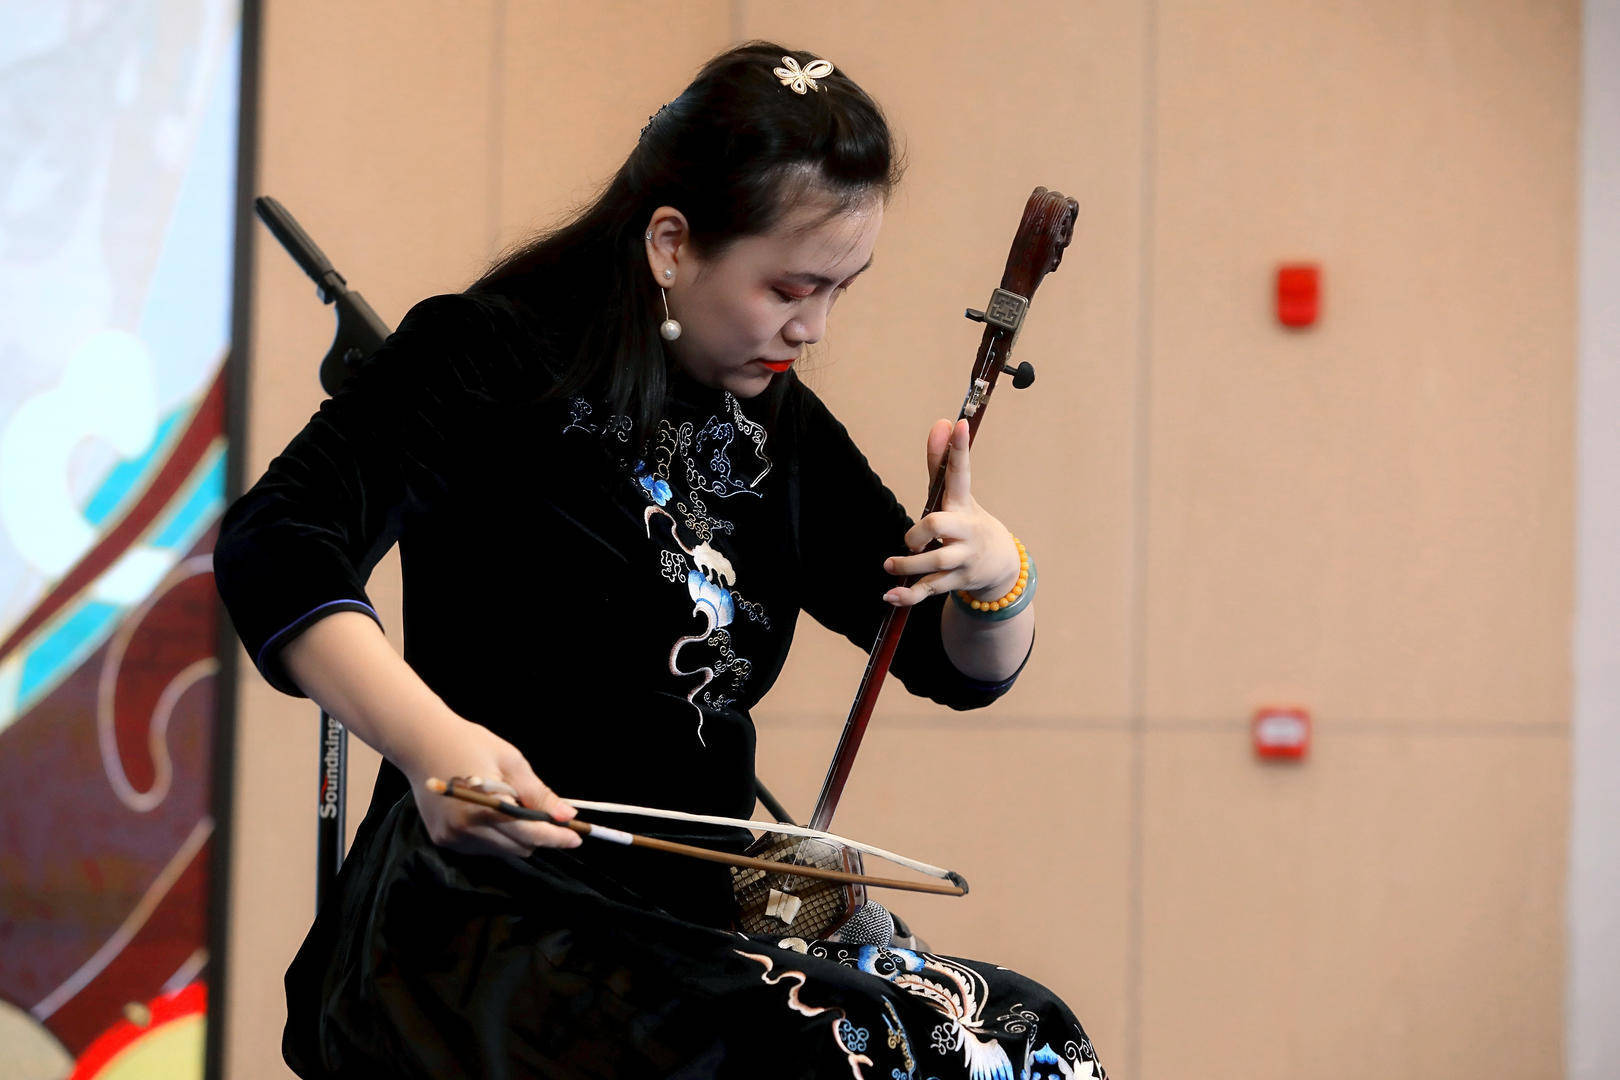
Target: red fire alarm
x=1298, y=293
x=1281, y=733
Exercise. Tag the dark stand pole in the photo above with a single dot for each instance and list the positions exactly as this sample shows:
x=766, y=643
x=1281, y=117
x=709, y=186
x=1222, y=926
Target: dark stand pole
x=329, y=813
x=775, y=808
x=360, y=332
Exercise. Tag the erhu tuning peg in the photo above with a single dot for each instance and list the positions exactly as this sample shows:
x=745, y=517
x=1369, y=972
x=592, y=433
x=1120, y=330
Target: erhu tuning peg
x=1023, y=375
x=975, y=314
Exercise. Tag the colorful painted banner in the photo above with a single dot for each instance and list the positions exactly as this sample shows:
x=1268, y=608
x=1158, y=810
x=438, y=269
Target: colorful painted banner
x=117, y=200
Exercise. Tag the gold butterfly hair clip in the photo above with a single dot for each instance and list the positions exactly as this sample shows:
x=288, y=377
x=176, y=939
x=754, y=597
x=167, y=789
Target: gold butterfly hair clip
x=797, y=79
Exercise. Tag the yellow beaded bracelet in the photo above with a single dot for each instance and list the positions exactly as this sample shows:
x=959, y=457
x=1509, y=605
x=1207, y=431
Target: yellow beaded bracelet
x=1024, y=584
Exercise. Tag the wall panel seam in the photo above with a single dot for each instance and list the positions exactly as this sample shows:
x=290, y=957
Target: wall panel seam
x=497, y=130
x=1136, y=612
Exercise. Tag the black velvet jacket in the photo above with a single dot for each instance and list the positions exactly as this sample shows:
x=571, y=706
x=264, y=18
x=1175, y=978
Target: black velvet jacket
x=615, y=619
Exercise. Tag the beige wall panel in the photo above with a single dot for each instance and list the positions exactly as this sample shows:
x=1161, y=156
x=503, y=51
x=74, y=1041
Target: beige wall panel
x=985, y=116
x=1372, y=516
x=578, y=83
x=1392, y=905
x=374, y=131
x=1028, y=813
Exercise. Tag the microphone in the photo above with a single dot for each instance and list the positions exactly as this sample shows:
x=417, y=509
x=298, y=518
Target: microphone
x=870, y=925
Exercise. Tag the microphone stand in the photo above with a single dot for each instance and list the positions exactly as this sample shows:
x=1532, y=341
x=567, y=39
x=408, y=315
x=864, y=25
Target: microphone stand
x=360, y=332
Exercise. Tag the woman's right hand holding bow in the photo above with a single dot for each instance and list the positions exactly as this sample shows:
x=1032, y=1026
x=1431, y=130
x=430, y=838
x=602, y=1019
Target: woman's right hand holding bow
x=476, y=756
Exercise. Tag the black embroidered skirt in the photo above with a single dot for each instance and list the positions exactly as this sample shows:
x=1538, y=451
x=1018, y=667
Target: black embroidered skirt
x=428, y=963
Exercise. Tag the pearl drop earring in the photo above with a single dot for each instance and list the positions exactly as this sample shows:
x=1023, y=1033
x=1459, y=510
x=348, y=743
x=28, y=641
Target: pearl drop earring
x=670, y=329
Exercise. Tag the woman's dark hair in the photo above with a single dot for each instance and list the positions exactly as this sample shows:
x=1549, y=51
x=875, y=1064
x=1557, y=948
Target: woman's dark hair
x=735, y=152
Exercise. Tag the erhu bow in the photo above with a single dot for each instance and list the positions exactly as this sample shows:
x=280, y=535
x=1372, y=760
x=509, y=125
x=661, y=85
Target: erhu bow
x=776, y=903
x=503, y=797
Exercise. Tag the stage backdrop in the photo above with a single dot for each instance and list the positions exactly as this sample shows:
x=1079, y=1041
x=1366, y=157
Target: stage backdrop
x=117, y=186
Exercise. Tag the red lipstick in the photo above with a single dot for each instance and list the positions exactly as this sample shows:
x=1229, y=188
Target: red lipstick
x=777, y=365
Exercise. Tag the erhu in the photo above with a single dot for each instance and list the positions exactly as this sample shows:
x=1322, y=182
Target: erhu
x=806, y=881
x=774, y=902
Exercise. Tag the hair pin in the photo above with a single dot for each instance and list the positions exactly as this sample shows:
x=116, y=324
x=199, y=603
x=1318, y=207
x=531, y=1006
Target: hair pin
x=796, y=78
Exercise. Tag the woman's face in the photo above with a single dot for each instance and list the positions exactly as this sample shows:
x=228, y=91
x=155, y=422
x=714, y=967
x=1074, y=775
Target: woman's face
x=746, y=315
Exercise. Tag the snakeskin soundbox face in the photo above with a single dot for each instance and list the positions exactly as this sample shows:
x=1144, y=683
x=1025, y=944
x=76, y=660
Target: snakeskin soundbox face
x=786, y=905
